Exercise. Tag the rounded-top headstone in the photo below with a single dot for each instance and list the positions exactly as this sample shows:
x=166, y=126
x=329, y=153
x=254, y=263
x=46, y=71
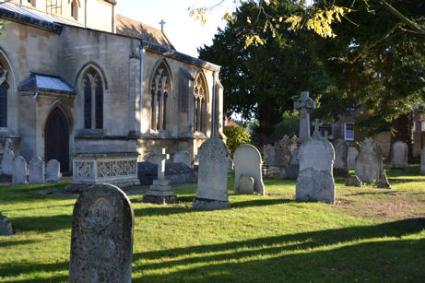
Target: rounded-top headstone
x=368, y=161
x=36, y=171
x=102, y=236
x=53, y=171
x=399, y=155
x=8, y=157
x=20, y=171
x=248, y=162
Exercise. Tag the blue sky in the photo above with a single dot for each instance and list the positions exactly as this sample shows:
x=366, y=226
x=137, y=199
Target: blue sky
x=184, y=32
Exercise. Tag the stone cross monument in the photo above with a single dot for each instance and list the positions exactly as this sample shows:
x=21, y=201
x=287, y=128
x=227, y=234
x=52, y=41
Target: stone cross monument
x=160, y=191
x=304, y=105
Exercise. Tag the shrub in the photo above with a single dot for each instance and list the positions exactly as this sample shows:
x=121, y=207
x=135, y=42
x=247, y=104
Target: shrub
x=236, y=136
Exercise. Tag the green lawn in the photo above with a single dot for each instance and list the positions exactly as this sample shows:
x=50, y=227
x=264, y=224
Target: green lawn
x=369, y=235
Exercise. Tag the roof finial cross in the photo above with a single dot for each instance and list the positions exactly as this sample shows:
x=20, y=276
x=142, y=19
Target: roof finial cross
x=162, y=23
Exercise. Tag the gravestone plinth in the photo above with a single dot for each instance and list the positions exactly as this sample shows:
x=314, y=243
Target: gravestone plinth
x=160, y=192
x=211, y=193
x=102, y=236
x=315, y=181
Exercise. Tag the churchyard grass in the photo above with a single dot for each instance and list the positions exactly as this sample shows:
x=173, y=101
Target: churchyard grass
x=368, y=235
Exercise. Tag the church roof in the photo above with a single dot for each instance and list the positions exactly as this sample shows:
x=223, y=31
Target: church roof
x=133, y=28
x=45, y=83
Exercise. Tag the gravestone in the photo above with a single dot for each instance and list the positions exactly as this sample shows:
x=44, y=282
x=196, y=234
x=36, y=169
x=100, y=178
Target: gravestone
x=182, y=157
x=399, y=155
x=102, y=236
x=20, y=171
x=248, y=162
x=212, y=176
x=315, y=181
x=283, y=152
x=341, y=152
x=246, y=185
x=423, y=161
x=269, y=155
x=8, y=158
x=368, y=161
x=160, y=191
x=53, y=171
x=351, y=157
x=36, y=171
x=304, y=105
x=6, y=228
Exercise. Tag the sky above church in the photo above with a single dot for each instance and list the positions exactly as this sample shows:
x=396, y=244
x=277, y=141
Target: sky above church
x=185, y=33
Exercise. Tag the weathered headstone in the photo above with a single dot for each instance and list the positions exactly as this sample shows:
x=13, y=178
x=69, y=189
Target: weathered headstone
x=6, y=228
x=20, y=171
x=182, y=157
x=269, y=155
x=304, y=105
x=291, y=172
x=160, y=191
x=246, y=185
x=399, y=155
x=212, y=176
x=102, y=236
x=423, y=161
x=8, y=158
x=36, y=171
x=315, y=180
x=351, y=157
x=367, y=162
x=248, y=162
x=341, y=152
x=283, y=152
x=353, y=181
x=53, y=171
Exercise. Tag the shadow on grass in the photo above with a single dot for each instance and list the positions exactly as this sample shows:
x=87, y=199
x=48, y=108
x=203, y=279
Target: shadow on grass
x=381, y=258
x=42, y=223
x=13, y=243
x=15, y=269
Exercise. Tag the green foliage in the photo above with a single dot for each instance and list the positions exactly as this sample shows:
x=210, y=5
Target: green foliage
x=287, y=126
x=236, y=136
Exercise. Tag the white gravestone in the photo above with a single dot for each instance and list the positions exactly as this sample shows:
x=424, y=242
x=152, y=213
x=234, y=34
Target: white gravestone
x=304, y=105
x=351, y=157
x=53, y=171
x=248, y=162
x=367, y=162
x=36, y=171
x=20, y=171
x=7, y=159
x=399, y=155
x=212, y=176
x=160, y=191
x=315, y=180
x=102, y=236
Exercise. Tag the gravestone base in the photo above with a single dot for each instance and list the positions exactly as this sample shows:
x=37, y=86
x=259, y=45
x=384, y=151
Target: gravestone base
x=209, y=204
x=5, y=226
x=314, y=185
x=160, y=192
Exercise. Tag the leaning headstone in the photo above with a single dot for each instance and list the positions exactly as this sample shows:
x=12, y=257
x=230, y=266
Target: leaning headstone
x=182, y=157
x=315, y=180
x=423, y=161
x=36, y=171
x=102, y=236
x=341, y=152
x=160, y=191
x=53, y=171
x=399, y=155
x=20, y=171
x=248, y=162
x=353, y=181
x=212, y=176
x=304, y=105
x=6, y=228
x=246, y=185
x=8, y=158
x=368, y=163
x=351, y=157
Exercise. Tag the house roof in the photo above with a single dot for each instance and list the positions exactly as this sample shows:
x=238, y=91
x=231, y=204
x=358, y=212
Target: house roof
x=45, y=83
x=133, y=28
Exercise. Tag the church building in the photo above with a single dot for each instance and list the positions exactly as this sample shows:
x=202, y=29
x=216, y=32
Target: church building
x=99, y=91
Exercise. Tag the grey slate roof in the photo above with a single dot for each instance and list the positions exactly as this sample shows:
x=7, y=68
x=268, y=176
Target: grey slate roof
x=45, y=83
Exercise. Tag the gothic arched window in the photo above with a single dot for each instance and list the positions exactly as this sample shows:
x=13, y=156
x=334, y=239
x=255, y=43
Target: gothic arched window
x=4, y=86
x=74, y=9
x=200, y=102
x=160, y=89
x=93, y=99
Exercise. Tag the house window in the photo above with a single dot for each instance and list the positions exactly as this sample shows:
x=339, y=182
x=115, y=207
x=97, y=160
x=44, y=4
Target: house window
x=93, y=99
x=74, y=9
x=199, y=102
x=160, y=89
x=325, y=129
x=4, y=87
x=349, y=131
